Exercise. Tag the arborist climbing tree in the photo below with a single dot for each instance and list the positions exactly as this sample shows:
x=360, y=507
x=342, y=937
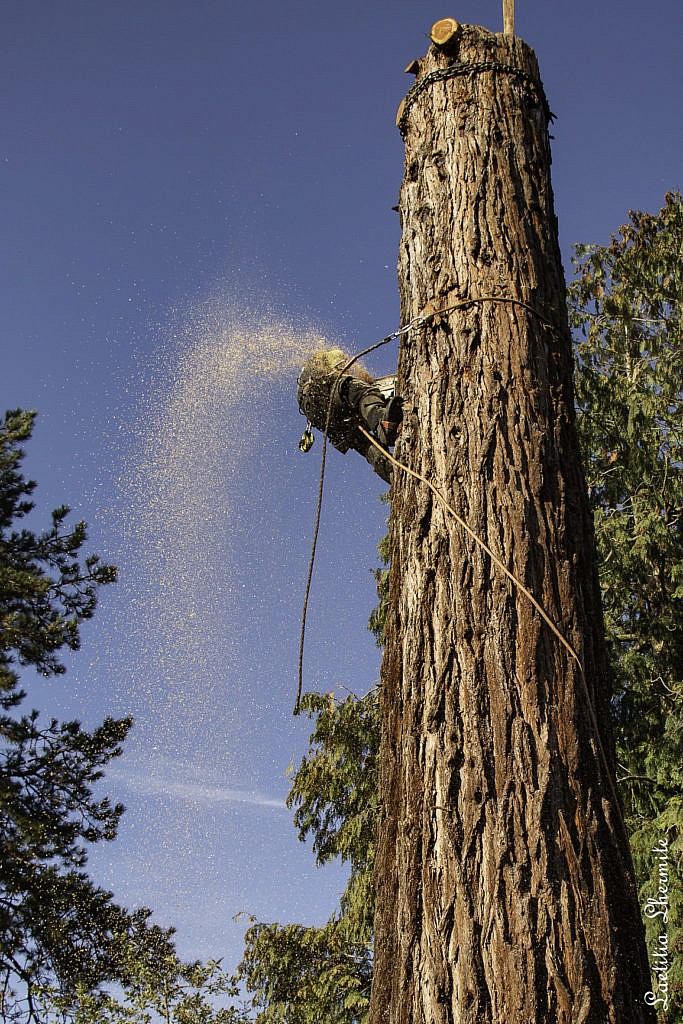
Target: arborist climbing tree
x=504, y=881
x=338, y=396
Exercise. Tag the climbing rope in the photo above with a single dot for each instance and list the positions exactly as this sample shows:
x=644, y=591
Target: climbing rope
x=477, y=539
x=419, y=321
x=416, y=321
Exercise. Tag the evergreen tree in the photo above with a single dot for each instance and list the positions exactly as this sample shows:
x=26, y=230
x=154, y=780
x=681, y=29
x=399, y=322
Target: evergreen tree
x=159, y=989
x=497, y=788
x=299, y=974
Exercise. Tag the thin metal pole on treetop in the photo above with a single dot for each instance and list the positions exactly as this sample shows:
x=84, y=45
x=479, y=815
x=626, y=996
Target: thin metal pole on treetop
x=509, y=17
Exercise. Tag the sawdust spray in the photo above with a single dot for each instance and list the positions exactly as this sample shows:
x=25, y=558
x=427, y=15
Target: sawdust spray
x=204, y=417
x=214, y=510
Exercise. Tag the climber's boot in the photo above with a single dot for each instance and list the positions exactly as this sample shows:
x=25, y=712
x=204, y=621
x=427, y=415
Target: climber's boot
x=390, y=421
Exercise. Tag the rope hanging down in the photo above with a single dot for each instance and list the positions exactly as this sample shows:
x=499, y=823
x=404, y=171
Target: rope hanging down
x=419, y=321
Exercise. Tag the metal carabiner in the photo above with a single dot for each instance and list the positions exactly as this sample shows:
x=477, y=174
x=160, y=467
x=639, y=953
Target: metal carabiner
x=307, y=439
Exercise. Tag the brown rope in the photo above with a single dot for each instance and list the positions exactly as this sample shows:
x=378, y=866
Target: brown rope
x=477, y=539
x=419, y=321
x=416, y=321
x=309, y=578
x=462, y=303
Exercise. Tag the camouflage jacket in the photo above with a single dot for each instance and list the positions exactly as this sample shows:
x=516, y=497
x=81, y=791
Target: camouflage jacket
x=313, y=395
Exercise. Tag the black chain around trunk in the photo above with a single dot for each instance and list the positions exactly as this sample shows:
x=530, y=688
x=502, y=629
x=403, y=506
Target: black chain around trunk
x=454, y=70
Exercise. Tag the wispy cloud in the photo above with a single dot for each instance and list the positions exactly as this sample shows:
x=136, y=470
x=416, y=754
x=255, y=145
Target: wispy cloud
x=195, y=790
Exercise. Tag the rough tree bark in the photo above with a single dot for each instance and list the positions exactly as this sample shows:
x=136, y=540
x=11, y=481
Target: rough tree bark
x=504, y=881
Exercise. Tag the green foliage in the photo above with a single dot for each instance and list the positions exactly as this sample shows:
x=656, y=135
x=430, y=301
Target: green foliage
x=334, y=788
x=305, y=975
x=627, y=302
x=45, y=592
x=302, y=975
x=379, y=614
x=157, y=988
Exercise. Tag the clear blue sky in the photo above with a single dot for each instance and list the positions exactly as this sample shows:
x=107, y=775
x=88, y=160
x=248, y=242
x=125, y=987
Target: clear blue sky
x=186, y=189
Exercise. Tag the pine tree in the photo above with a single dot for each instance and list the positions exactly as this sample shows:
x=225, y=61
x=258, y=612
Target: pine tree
x=300, y=974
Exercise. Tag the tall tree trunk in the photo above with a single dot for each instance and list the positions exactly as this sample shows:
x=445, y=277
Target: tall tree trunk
x=504, y=881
